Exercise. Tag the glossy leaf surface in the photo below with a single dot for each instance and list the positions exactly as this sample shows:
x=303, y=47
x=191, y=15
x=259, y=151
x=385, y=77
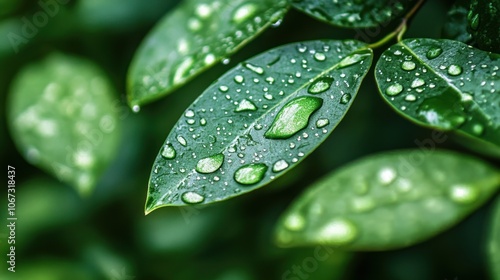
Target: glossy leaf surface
x=388, y=201
x=238, y=135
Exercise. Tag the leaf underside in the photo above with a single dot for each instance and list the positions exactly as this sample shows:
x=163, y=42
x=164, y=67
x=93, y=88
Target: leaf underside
x=195, y=36
x=63, y=119
x=353, y=13
x=257, y=121
x=388, y=201
x=445, y=85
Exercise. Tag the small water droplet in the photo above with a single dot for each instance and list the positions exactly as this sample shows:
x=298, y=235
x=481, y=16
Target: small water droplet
x=223, y=88
x=280, y=165
x=433, y=53
x=293, y=117
x=168, y=152
x=210, y=164
x=254, y=68
x=239, y=79
x=319, y=56
x=203, y=121
x=417, y=83
x=338, y=231
x=181, y=140
x=394, y=89
x=245, y=105
x=387, y=175
x=464, y=194
x=189, y=114
x=250, y=174
x=408, y=65
x=362, y=204
x=454, y=70
x=477, y=129
x=353, y=59
x=136, y=108
x=345, y=98
x=226, y=61
x=244, y=12
x=322, y=123
x=192, y=198
x=294, y=222
x=320, y=85
x=410, y=98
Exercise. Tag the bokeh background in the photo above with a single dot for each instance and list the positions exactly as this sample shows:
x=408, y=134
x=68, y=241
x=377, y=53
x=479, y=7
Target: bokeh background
x=61, y=235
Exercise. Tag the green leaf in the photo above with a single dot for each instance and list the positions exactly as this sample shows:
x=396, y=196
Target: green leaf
x=354, y=13
x=388, y=201
x=494, y=242
x=484, y=24
x=198, y=34
x=445, y=85
x=63, y=119
x=235, y=137
x=455, y=27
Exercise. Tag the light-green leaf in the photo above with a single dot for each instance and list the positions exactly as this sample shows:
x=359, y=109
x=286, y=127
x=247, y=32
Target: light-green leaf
x=354, y=13
x=196, y=35
x=257, y=121
x=388, y=201
x=63, y=119
x=444, y=85
x=494, y=242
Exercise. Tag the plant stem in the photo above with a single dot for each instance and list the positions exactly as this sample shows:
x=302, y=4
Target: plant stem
x=400, y=30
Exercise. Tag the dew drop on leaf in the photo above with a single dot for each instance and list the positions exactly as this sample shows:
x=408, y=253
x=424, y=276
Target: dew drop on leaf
x=345, y=98
x=454, y=70
x=408, y=65
x=181, y=140
x=254, y=68
x=353, y=59
x=210, y=164
x=322, y=123
x=245, y=105
x=250, y=174
x=338, y=231
x=168, y=152
x=295, y=222
x=464, y=194
x=293, y=117
x=394, y=89
x=433, y=53
x=320, y=85
x=280, y=165
x=319, y=56
x=192, y=197
x=417, y=83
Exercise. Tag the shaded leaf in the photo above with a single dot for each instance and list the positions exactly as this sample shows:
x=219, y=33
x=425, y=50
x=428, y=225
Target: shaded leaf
x=388, y=201
x=455, y=27
x=63, y=120
x=445, y=85
x=235, y=137
x=494, y=242
x=194, y=36
x=354, y=13
x=484, y=25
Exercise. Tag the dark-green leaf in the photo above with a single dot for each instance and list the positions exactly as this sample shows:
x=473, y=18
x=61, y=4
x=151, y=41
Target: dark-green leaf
x=444, y=85
x=494, y=242
x=257, y=121
x=354, y=13
x=194, y=36
x=388, y=201
x=63, y=119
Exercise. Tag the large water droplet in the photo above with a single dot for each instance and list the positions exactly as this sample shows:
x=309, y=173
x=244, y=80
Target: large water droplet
x=168, y=152
x=433, y=53
x=394, y=89
x=192, y=198
x=250, y=174
x=322, y=123
x=245, y=105
x=353, y=58
x=293, y=117
x=280, y=165
x=294, y=222
x=454, y=70
x=210, y=164
x=408, y=65
x=464, y=194
x=338, y=231
x=320, y=85
x=417, y=83
x=438, y=111
x=319, y=56
x=254, y=68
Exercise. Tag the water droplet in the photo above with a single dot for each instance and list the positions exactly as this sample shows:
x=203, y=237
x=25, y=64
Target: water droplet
x=210, y=164
x=254, y=68
x=394, y=89
x=189, y=114
x=168, y=152
x=345, y=98
x=417, y=83
x=293, y=117
x=454, y=70
x=203, y=121
x=136, y=108
x=354, y=58
x=181, y=140
x=223, y=88
x=280, y=165
x=244, y=12
x=438, y=112
x=250, y=174
x=209, y=59
x=408, y=65
x=322, y=123
x=338, y=231
x=477, y=129
x=319, y=56
x=294, y=222
x=464, y=194
x=192, y=198
x=320, y=85
x=433, y=53
x=410, y=97
x=387, y=175
x=362, y=204
x=226, y=61
x=239, y=79
x=245, y=105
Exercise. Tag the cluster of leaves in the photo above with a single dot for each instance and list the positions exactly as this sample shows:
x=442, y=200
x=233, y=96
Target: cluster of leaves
x=267, y=114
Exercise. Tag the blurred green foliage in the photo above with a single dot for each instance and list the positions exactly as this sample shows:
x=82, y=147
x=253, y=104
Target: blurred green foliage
x=106, y=235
